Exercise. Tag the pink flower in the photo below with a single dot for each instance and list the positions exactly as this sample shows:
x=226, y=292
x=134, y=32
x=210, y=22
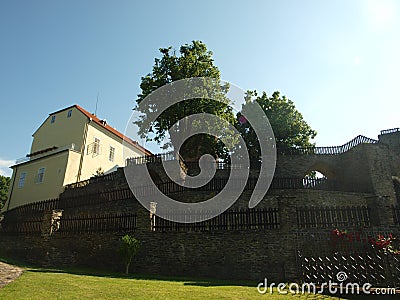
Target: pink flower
x=242, y=120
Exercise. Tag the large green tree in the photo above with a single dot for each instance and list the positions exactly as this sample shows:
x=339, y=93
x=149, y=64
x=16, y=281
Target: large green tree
x=4, y=185
x=289, y=127
x=192, y=60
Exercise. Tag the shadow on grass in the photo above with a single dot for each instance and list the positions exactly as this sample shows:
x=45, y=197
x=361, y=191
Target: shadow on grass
x=216, y=282
x=190, y=281
x=187, y=281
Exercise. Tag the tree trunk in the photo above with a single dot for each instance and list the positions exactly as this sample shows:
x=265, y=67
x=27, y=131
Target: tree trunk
x=127, y=268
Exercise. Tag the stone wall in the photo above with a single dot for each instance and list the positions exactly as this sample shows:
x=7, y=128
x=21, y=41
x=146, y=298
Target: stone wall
x=365, y=175
x=233, y=254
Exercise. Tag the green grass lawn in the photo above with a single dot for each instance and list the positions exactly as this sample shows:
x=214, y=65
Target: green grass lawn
x=58, y=284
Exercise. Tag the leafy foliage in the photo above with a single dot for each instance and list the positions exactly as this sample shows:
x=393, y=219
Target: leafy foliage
x=387, y=244
x=194, y=60
x=288, y=125
x=99, y=172
x=128, y=250
x=4, y=186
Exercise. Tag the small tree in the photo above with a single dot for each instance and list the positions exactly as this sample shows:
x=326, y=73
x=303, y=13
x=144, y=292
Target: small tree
x=99, y=172
x=128, y=249
x=4, y=185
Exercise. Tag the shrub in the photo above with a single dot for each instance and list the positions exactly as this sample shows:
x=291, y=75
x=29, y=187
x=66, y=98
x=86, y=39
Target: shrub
x=128, y=248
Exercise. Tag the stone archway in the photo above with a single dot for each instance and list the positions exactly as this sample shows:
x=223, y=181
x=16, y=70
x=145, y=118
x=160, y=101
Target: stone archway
x=325, y=169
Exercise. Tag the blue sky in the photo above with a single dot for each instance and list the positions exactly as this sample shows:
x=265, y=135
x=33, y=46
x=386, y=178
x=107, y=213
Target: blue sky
x=337, y=60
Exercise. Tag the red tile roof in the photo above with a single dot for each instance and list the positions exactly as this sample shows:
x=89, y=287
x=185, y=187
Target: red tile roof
x=108, y=127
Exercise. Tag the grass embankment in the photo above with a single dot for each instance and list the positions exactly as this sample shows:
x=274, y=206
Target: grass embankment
x=36, y=283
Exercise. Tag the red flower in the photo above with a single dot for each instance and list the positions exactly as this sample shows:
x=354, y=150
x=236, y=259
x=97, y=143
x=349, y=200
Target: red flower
x=242, y=120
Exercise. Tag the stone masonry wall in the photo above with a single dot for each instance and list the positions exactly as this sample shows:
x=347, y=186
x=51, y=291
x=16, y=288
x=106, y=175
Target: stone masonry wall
x=235, y=255
x=247, y=254
x=364, y=172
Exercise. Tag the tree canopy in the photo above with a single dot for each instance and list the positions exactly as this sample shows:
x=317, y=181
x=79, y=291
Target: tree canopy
x=289, y=127
x=4, y=185
x=193, y=60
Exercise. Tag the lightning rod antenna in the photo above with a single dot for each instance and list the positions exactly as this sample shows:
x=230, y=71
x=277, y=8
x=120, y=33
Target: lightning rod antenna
x=97, y=101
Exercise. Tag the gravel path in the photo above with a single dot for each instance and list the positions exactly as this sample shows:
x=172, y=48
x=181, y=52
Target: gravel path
x=8, y=273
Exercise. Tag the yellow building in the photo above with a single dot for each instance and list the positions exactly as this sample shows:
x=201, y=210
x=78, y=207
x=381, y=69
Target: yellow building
x=70, y=146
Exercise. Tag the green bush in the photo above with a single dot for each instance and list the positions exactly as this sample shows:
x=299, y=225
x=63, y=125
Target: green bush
x=128, y=248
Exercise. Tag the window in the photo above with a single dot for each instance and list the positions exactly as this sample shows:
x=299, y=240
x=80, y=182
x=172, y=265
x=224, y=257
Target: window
x=69, y=113
x=40, y=175
x=96, y=146
x=112, y=154
x=53, y=119
x=22, y=177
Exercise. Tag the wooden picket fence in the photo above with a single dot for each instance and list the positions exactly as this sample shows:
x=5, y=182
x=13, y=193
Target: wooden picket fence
x=32, y=208
x=332, y=150
x=31, y=225
x=217, y=184
x=331, y=217
x=391, y=130
x=95, y=179
x=97, y=223
x=73, y=224
x=238, y=219
x=167, y=188
x=167, y=156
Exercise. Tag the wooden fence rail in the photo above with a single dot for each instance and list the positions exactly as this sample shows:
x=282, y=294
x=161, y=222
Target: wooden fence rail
x=31, y=209
x=96, y=198
x=333, y=150
x=217, y=184
x=31, y=226
x=73, y=224
x=151, y=158
x=330, y=217
x=239, y=219
x=97, y=223
x=392, y=130
x=167, y=188
x=96, y=179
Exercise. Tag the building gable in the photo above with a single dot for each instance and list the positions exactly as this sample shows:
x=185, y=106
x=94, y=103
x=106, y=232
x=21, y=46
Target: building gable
x=67, y=126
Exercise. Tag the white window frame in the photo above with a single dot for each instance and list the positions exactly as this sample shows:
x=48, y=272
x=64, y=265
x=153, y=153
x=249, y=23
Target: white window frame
x=96, y=146
x=22, y=179
x=40, y=175
x=111, y=154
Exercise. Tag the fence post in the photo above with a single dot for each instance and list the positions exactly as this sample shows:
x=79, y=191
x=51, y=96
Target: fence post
x=380, y=208
x=153, y=209
x=51, y=221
